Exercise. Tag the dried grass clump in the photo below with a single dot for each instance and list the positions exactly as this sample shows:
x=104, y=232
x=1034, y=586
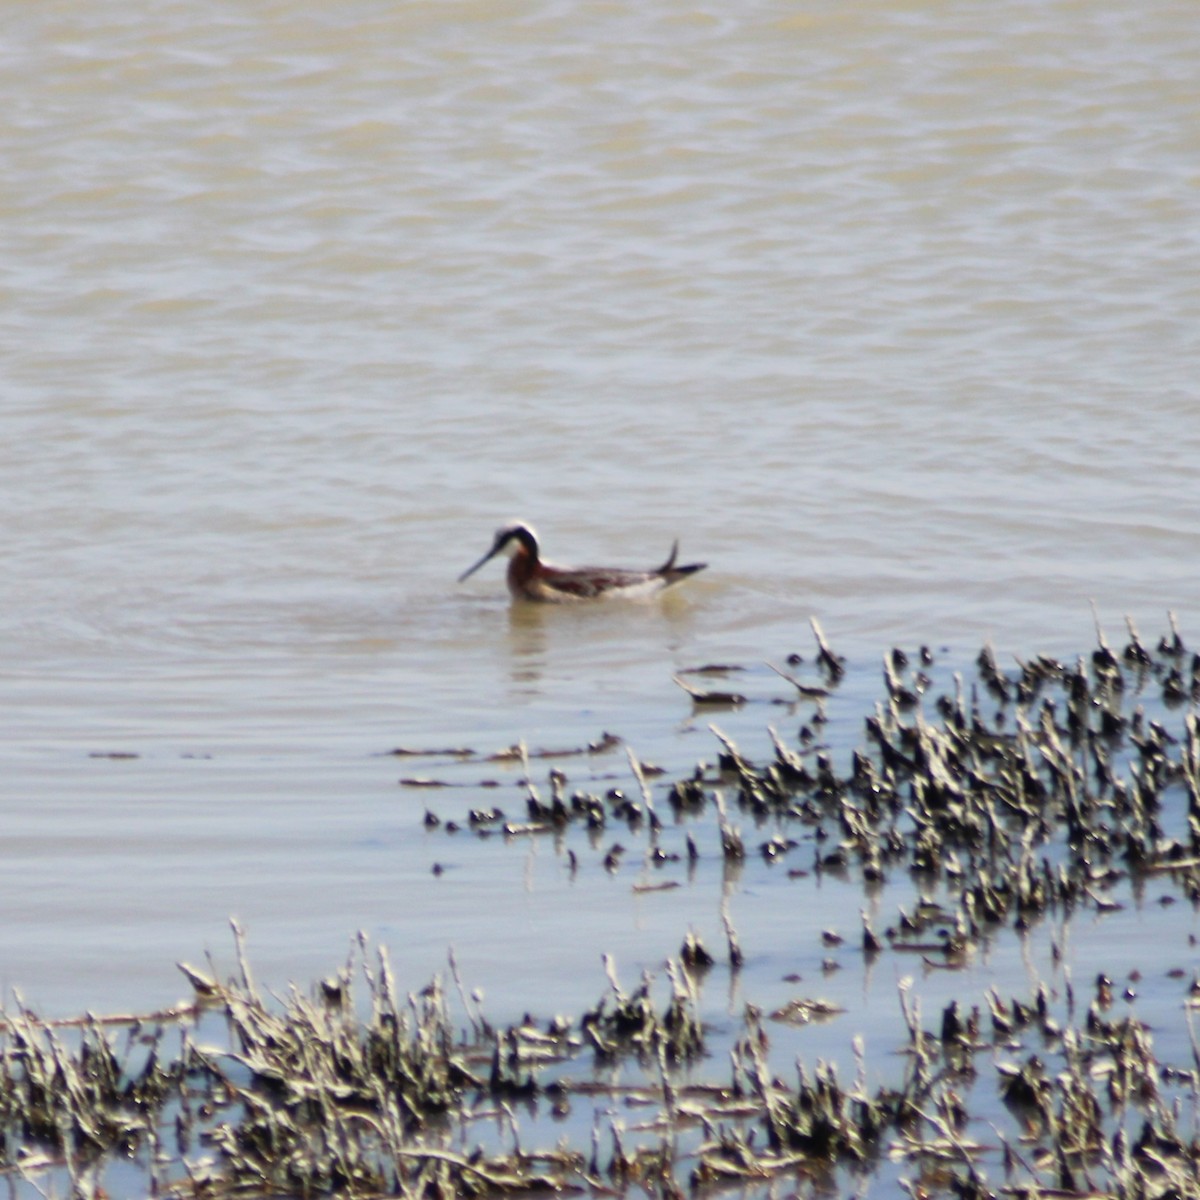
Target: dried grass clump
x=326, y=1100
x=72, y=1093
x=633, y=1025
x=320, y=1098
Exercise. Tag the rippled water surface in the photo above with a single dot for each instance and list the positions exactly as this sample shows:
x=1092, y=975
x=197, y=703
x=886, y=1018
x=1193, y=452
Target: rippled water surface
x=888, y=311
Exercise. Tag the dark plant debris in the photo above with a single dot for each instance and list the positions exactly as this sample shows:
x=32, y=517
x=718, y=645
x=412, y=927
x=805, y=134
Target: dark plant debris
x=1032, y=790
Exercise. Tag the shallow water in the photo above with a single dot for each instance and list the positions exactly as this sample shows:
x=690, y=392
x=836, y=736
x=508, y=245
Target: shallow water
x=888, y=314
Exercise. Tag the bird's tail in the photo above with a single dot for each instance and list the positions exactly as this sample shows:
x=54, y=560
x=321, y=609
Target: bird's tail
x=671, y=573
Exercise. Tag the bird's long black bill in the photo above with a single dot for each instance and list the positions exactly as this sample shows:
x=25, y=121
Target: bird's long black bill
x=472, y=570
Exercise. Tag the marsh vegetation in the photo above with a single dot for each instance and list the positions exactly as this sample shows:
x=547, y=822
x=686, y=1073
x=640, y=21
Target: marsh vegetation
x=972, y=811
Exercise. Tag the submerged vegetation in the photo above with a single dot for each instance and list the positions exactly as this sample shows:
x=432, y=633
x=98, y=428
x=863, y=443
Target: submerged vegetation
x=1046, y=788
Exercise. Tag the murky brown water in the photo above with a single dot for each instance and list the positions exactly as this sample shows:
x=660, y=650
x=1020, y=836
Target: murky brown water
x=888, y=313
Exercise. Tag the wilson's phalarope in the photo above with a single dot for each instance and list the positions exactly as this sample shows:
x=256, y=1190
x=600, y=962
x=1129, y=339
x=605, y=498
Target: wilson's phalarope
x=529, y=578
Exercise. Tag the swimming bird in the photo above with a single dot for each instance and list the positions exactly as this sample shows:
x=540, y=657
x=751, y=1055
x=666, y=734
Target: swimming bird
x=532, y=578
